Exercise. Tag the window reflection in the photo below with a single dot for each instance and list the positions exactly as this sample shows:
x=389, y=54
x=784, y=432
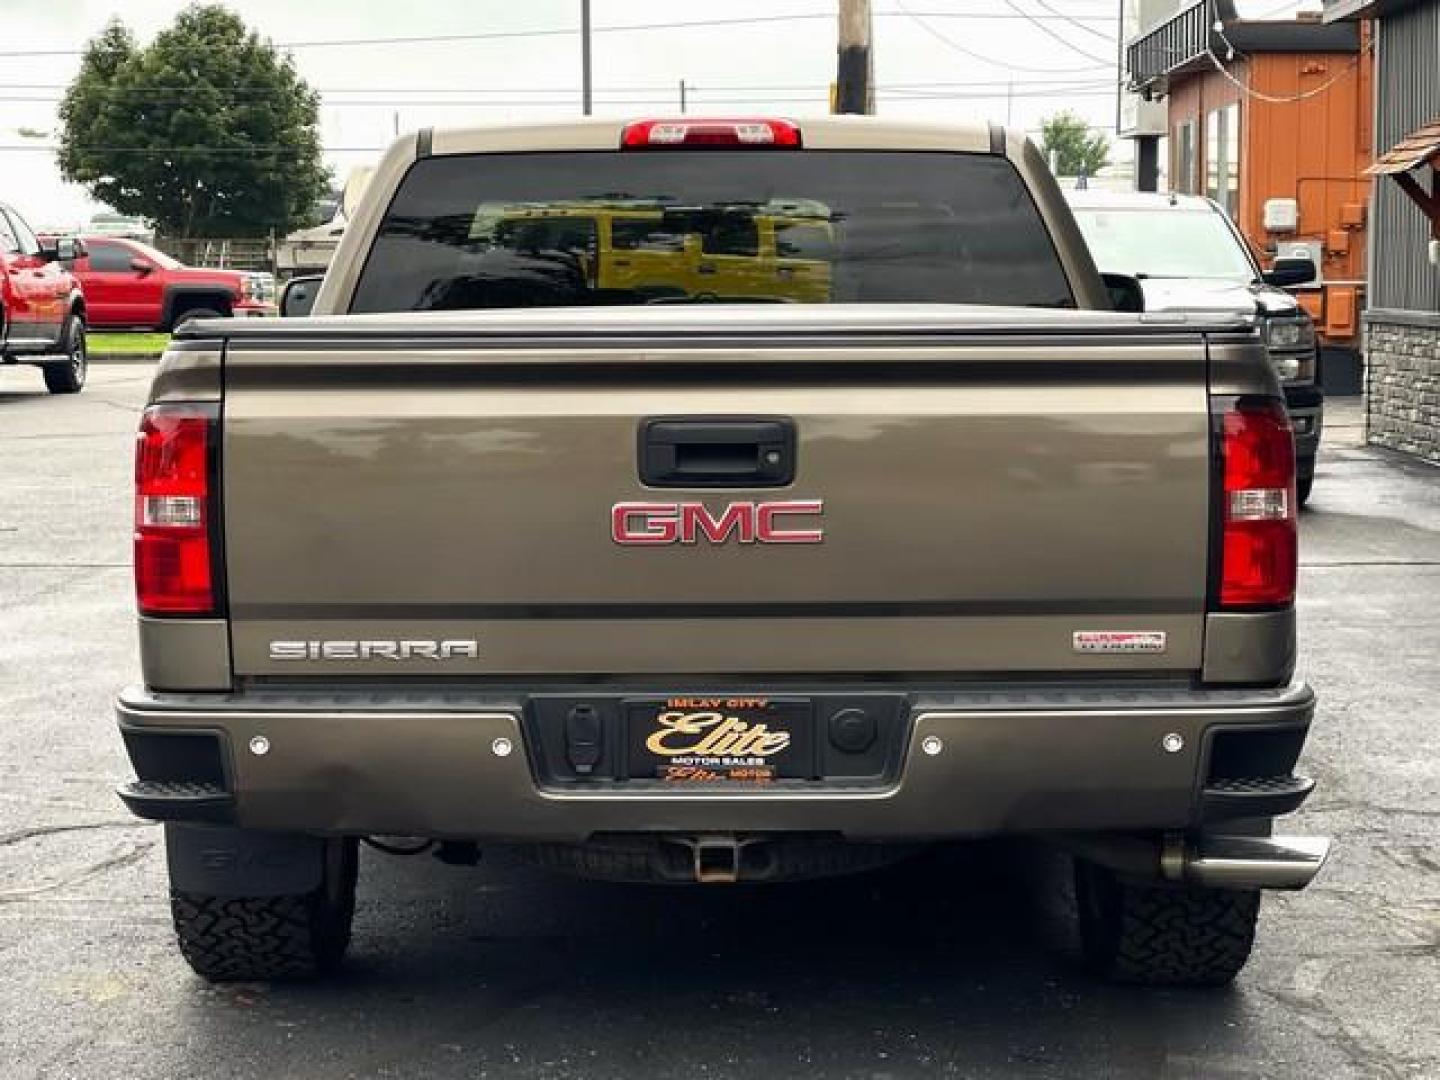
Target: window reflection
x=571, y=229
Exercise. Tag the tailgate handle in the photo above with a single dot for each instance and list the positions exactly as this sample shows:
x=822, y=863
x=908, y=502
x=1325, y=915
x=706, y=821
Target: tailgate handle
x=717, y=452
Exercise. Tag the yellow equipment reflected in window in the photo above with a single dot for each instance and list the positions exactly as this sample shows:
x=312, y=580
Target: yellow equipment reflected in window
x=780, y=253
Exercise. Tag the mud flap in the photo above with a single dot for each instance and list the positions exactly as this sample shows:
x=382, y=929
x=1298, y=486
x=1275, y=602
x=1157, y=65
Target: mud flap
x=219, y=861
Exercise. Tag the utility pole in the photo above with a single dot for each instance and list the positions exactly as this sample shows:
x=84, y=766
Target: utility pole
x=585, y=57
x=854, y=68
x=682, y=97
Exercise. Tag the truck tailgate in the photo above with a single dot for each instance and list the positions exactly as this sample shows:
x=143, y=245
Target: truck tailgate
x=987, y=497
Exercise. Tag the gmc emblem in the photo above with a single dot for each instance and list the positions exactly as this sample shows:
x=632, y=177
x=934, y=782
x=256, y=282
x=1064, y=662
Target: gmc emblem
x=692, y=522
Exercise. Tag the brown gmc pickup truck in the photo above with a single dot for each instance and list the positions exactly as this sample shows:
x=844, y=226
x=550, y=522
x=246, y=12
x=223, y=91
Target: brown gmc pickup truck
x=717, y=501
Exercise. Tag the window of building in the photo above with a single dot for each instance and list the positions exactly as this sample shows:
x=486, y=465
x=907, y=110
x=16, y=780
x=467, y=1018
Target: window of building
x=1231, y=186
x=1222, y=157
x=1212, y=155
x=1184, y=171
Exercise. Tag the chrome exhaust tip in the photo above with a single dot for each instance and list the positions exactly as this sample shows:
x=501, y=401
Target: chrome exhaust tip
x=1211, y=861
x=1247, y=862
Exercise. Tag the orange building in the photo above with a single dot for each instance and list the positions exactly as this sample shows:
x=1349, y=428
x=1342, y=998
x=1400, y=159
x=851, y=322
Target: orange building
x=1273, y=121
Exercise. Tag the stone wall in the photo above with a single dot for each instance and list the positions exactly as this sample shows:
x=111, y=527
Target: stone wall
x=1402, y=387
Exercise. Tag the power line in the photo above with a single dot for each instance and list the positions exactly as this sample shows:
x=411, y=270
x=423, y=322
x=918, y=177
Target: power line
x=1056, y=37
x=698, y=96
x=1290, y=99
x=1075, y=21
x=996, y=95
x=623, y=28
x=665, y=86
x=637, y=27
x=972, y=54
x=259, y=150
x=1107, y=16
x=638, y=95
x=257, y=90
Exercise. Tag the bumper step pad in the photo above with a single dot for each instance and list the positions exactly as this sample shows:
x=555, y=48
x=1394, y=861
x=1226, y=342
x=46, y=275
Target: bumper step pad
x=1254, y=796
x=177, y=800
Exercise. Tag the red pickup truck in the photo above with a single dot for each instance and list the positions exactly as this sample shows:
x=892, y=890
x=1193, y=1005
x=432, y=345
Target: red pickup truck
x=132, y=285
x=42, y=310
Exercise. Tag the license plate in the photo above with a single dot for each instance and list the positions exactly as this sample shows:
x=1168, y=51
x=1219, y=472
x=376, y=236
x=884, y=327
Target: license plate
x=731, y=739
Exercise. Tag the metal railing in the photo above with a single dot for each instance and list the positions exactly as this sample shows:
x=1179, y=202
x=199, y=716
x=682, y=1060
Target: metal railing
x=1181, y=42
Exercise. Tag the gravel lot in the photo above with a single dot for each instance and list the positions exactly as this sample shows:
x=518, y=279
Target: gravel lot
x=960, y=964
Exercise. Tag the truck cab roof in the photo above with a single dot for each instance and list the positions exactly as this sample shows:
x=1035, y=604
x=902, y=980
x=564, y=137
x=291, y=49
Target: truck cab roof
x=1174, y=280
x=816, y=133
x=1090, y=199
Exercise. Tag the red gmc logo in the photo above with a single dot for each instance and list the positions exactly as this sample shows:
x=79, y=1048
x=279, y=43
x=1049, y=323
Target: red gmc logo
x=692, y=522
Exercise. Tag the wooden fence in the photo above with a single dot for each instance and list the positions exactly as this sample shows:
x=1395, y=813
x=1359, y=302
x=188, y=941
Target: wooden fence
x=221, y=254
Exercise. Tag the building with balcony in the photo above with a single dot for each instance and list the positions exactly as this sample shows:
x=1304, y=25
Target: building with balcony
x=1402, y=323
x=1272, y=120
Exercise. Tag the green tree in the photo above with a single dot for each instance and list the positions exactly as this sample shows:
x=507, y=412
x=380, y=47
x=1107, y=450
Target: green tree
x=208, y=131
x=1076, y=150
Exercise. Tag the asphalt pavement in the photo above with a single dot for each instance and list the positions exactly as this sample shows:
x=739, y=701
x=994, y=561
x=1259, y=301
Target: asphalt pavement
x=959, y=964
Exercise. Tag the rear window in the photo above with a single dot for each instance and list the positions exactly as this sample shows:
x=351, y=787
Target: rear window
x=568, y=229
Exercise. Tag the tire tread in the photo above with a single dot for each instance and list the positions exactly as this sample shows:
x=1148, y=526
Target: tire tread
x=1163, y=935
x=227, y=938
x=259, y=938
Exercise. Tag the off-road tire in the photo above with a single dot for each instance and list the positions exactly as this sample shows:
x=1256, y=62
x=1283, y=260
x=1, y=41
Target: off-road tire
x=67, y=376
x=1163, y=935
x=257, y=938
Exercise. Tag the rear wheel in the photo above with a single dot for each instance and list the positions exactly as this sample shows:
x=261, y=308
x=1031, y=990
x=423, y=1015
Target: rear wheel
x=67, y=376
x=1163, y=935
x=290, y=936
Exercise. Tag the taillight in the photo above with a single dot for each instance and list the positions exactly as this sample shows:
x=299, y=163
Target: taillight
x=708, y=131
x=1258, y=529
x=173, y=512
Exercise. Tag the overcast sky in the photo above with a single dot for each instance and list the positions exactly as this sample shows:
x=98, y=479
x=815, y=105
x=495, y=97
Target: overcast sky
x=933, y=58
